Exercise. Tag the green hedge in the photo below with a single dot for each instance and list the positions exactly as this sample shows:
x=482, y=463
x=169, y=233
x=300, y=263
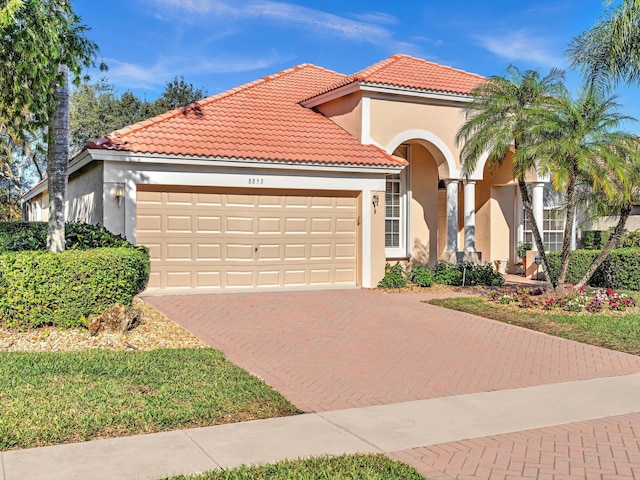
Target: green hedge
x=621, y=269
x=466, y=274
x=64, y=289
x=21, y=236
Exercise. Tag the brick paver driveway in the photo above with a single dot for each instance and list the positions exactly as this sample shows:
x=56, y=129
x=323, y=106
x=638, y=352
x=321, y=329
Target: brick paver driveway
x=335, y=349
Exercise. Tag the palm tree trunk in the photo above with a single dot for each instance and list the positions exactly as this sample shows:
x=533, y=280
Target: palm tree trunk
x=568, y=228
x=614, y=238
x=537, y=238
x=57, y=160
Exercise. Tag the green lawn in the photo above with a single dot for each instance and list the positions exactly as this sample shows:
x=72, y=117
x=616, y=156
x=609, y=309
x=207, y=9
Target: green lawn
x=51, y=398
x=617, y=331
x=345, y=467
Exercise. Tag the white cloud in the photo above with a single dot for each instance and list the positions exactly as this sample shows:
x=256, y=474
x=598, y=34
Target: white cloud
x=521, y=46
x=366, y=29
x=154, y=76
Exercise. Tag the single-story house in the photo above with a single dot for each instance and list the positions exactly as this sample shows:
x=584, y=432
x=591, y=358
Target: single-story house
x=306, y=178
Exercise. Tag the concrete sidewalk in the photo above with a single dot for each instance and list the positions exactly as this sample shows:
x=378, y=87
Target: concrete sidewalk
x=386, y=428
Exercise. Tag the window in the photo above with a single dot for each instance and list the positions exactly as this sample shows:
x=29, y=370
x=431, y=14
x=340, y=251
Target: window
x=396, y=209
x=553, y=223
x=392, y=217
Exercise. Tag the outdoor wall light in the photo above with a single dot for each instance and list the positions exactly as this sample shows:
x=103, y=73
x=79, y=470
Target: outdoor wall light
x=376, y=202
x=118, y=193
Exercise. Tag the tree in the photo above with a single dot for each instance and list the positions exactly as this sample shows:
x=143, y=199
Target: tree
x=498, y=120
x=618, y=203
x=579, y=141
x=96, y=109
x=177, y=93
x=610, y=50
x=41, y=43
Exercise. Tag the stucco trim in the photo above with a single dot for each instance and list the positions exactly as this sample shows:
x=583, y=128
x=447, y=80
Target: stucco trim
x=452, y=171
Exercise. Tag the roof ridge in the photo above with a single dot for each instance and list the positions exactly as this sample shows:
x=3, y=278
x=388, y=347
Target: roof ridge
x=136, y=127
x=448, y=67
x=376, y=67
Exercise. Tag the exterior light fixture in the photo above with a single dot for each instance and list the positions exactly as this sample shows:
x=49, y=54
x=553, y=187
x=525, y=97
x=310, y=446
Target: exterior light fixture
x=376, y=202
x=118, y=193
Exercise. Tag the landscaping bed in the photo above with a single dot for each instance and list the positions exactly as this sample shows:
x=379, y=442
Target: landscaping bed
x=591, y=317
x=344, y=467
x=154, y=331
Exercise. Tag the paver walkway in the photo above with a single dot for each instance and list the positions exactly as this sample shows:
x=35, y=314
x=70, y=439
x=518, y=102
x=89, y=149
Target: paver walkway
x=605, y=448
x=329, y=350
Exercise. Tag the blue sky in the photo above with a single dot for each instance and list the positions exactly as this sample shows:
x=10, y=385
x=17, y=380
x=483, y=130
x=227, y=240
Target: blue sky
x=219, y=44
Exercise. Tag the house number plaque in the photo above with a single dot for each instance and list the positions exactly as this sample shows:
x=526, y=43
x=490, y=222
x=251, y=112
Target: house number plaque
x=256, y=181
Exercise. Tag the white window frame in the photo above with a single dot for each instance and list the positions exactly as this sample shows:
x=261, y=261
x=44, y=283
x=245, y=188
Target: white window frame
x=402, y=250
x=552, y=203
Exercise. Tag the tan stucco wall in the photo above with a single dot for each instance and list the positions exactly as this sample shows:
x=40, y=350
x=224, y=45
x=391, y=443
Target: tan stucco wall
x=346, y=112
x=377, y=240
x=502, y=231
x=391, y=118
x=84, y=195
x=41, y=202
x=424, y=206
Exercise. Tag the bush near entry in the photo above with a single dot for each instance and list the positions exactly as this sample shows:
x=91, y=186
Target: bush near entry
x=65, y=289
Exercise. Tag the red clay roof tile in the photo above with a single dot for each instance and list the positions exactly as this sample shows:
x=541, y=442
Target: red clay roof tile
x=263, y=120
x=413, y=73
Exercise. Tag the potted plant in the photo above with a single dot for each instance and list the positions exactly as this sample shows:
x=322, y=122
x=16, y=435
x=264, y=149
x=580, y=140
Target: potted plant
x=521, y=252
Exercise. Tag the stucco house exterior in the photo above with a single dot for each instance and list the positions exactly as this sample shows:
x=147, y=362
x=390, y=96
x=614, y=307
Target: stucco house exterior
x=307, y=178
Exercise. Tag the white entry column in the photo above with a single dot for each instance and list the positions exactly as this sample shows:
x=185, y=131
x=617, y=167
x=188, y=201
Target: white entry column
x=537, y=201
x=452, y=216
x=470, y=216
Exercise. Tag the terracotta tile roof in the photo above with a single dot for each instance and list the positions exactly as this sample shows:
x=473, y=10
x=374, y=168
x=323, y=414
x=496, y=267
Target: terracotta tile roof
x=412, y=73
x=261, y=120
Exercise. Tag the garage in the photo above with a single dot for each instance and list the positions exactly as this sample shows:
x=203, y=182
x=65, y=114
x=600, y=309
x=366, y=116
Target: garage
x=203, y=238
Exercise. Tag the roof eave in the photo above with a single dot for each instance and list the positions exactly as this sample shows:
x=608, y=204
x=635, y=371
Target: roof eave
x=383, y=88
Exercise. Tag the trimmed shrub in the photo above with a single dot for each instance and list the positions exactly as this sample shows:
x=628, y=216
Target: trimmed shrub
x=594, y=239
x=421, y=275
x=21, y=236
x=65, y=289
x=466, y=274
x=394, y=277
x=446, y=273
x=620, y=270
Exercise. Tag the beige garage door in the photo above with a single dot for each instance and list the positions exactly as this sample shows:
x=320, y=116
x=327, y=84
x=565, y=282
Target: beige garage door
x=211, y=239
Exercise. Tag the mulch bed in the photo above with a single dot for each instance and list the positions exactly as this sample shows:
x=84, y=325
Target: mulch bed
x=155, y=331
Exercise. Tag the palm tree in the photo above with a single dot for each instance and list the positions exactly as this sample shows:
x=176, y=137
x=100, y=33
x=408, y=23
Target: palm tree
x=579, y=140
x=610, y=50
x=618, y=203
x=498, y=120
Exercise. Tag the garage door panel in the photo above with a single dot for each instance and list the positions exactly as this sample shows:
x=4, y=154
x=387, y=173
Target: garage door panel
x=269, y=252
x=208, y=280
x=178, y=198
x=295, y=225
x=239, y=252
x=239, y=279
x=241, y=241
x=269, y=278
x=269, y=225
x=209, y=251
x=208, y=224
x=179, y=224
x=149, y=223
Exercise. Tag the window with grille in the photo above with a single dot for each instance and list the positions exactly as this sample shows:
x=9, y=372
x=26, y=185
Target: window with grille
x=553, y=224
x=392, y=217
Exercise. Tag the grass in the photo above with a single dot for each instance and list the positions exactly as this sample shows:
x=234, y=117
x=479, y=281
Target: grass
x=345, y=467
x=52, y=398
x=616, y=331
